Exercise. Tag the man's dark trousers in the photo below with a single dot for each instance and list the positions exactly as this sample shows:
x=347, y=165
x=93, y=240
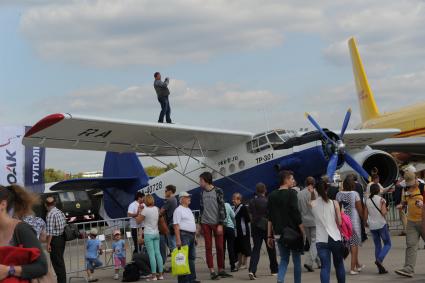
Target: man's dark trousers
x=259, y=236
x=56, y=256
x=165, y=109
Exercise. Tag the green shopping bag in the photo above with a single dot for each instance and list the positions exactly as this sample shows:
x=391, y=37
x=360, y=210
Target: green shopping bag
x=180, y=261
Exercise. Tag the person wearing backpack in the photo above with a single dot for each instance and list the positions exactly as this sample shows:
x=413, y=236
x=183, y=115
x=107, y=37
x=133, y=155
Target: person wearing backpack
x=352, y=205
x=414, y=202
x=327, y=216
x=375, y=211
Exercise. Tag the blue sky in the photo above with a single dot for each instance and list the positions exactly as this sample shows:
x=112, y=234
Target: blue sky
x=228, y=61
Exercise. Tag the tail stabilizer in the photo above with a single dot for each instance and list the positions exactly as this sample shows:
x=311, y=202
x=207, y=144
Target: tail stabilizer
x=122, y=165
x=368, y=108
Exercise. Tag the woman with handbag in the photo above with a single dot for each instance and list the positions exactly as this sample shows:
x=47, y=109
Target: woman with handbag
x=14, y=233
x=327, y=216
x=150, y=216
x=375, y=211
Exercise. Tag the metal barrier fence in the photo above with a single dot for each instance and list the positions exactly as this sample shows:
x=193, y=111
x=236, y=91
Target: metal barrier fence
x=393, y=215
x=75, y=251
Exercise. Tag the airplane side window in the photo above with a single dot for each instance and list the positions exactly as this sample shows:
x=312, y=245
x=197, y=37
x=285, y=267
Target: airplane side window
x=232, y=168
x=241, y=164
x=223, y=171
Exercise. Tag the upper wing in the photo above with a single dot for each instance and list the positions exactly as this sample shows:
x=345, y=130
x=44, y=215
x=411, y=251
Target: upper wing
x=361, y=138
x=78, y=132
x=412, y=145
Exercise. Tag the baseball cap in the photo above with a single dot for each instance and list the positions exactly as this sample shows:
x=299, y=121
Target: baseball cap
x=93, y=231
x=184, y=194
x=117, y=232
x=409, y=168
x=410, y=178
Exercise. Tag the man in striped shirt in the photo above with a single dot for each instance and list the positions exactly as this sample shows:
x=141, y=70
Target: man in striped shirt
x=56, y=222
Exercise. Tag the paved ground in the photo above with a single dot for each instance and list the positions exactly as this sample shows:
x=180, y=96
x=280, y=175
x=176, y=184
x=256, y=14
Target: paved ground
x=394, y=260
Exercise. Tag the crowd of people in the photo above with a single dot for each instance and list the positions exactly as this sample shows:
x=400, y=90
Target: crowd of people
x=321, y=221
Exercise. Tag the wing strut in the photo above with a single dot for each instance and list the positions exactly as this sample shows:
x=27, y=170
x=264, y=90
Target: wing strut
x=199, y=161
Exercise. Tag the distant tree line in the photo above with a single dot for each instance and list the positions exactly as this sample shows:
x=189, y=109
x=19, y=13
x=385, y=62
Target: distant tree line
x=53, y=175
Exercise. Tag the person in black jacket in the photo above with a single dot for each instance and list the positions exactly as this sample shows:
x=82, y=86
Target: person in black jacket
x=284, y=218
x=258, y=212
x=242, y=241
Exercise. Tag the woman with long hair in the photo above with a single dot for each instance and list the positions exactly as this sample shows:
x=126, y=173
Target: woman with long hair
x=352, y=205
x=375, y=211
x=24, y=211
x=14, y=232
x=327, y=216
x=150, y=217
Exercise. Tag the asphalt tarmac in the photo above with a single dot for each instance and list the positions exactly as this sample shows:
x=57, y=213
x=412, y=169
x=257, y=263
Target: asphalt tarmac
x=394, y=260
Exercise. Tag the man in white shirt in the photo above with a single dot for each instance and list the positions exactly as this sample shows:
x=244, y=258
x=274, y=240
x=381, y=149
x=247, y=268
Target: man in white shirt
x=185, y=231
x=375, y=180
x=134, y=210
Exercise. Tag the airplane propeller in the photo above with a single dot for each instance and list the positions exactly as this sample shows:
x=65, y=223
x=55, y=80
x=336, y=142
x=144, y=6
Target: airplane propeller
x=338, y=148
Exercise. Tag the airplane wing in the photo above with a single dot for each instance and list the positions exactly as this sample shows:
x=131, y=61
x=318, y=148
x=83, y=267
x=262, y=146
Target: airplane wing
x=83, y=184
x=414, y=145
x=354, y=139
x=88, y=133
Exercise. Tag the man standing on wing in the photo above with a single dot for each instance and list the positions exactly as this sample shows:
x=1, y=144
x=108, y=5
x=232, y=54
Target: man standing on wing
x=162, y=91
x=213, y=216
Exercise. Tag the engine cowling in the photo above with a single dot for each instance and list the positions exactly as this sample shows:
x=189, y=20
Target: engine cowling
x=384, y=162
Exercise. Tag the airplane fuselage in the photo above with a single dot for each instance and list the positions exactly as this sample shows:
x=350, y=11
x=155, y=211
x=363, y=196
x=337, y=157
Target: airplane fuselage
x=410, y=120
x=240, y=168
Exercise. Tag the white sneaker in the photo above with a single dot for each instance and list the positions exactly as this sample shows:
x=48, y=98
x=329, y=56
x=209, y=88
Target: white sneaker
x=116, y=277
x=361, y=267
x=352, y=272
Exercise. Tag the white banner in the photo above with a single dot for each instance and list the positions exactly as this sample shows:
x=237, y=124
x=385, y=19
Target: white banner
x=12, y=155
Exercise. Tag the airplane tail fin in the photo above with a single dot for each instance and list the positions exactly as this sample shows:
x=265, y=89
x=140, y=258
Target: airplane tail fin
x=368, y=108
x=122, y=165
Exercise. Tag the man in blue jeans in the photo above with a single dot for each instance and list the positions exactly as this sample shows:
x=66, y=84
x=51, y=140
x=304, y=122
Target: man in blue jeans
x=283, y=213
x=185, y=232
x=162, y=91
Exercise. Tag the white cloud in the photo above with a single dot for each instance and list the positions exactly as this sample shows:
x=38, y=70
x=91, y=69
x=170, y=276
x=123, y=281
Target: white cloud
x=130, y=32
x=103, y=100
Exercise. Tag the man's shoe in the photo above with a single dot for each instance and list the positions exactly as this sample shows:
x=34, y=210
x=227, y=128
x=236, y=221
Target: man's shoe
x=309, y=268
x=214, y=276
x=234, y=269
x=196, y=281
x=252, y=276
x=223, y=274
x=402, y=234
x=404, y=273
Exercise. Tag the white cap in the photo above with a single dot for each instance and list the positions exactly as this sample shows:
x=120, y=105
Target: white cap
x=409, y=168
x=184, y=194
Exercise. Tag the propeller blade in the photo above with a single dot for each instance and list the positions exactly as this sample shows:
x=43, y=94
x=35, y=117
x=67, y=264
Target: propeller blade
x=345, y=124
x=316, y=125
x=356, y=166
x=333, y=162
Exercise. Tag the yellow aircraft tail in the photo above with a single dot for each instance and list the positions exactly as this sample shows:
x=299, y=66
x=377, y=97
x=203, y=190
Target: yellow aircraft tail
x=368, y=108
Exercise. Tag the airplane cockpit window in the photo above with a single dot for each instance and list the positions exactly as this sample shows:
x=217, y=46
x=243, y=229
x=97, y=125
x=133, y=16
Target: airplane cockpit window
x=264, y=141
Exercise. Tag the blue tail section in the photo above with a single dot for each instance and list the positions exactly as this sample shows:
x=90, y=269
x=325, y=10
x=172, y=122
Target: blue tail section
x=122, y=165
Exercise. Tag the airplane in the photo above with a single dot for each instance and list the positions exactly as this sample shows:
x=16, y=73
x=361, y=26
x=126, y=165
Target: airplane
x=237, y=160
x=409, y=144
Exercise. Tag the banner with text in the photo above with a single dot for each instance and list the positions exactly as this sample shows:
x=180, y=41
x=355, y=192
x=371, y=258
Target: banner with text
x=20, y=164
x=12, y=158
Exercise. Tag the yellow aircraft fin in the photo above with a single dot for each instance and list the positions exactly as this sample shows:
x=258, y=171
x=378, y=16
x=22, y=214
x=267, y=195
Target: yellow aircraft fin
x=368, y=108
